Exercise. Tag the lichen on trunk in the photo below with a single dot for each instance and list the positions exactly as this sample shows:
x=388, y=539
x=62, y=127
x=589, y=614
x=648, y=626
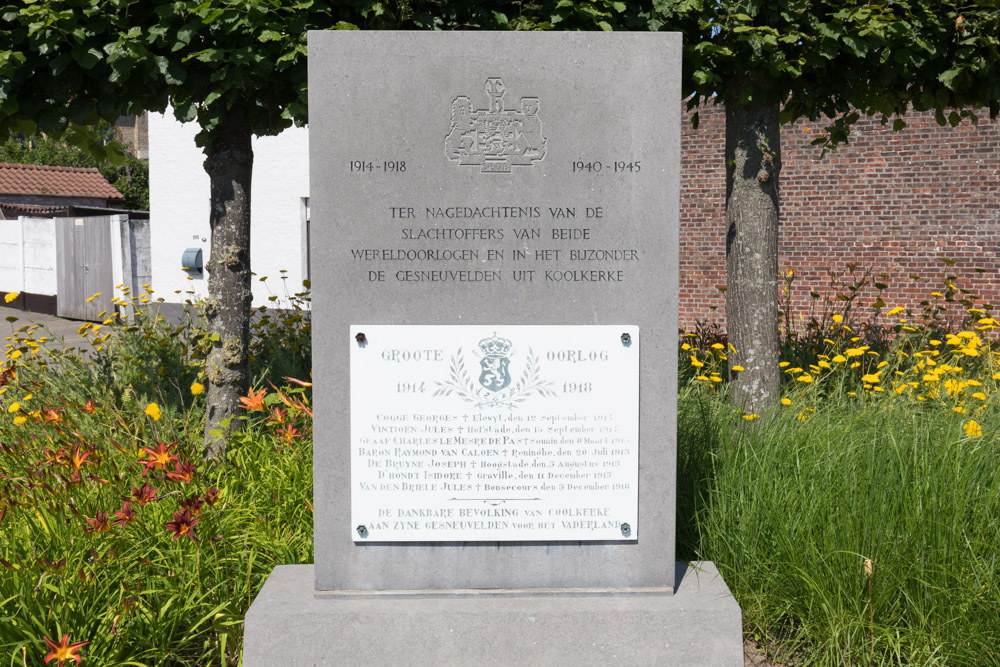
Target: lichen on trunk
x=753, y=160
x=230, y=166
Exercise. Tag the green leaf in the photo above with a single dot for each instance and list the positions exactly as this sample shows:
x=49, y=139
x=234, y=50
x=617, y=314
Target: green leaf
x=898, y=124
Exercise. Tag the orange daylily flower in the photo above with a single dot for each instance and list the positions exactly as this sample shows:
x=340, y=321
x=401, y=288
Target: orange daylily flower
x=144, y=494
x=79, y=458
x=89, y=407
x=183, y=472
x=157, y=459
x=254, y=400
x=51, y=416
x=289, y=433
x=63, y=651
x=182, y=525
x=124, y=515
x=99, y=524
x=192, y=505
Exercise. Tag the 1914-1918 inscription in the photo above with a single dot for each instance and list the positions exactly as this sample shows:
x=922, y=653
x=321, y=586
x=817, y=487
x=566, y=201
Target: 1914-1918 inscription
x=505, y=433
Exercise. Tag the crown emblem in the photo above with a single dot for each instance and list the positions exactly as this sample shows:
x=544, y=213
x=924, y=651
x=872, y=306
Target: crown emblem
x=495, y=346
x=495, y=137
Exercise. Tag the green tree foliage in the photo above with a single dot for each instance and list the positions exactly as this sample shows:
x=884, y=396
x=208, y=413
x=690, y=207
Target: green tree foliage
x=129, y=175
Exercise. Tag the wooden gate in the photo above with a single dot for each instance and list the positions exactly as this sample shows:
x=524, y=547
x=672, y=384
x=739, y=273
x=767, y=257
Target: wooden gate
x=84, y=267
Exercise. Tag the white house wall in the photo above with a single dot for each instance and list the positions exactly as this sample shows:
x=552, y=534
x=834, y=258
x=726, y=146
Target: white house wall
x=179, y=209
x=39, y=235
x=11, y=256
x=28, y=256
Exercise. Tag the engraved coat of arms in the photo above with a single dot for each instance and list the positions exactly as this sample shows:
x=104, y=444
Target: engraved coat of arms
x=495, y=137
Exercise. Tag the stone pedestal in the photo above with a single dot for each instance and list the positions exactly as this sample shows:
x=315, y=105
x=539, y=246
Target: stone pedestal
x=289, y=625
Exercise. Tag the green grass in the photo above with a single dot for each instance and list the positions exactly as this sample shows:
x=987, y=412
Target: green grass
x=789, y=510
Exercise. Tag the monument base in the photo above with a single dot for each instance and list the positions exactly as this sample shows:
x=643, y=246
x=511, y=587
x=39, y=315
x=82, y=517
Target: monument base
x=290, y=625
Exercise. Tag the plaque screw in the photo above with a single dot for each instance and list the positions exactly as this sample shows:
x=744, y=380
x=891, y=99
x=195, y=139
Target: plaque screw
x=361, y=338
x=626, y=529
x=363, y=531
x=626, y=339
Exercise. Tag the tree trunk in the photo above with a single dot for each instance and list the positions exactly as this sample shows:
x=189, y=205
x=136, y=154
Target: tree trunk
x=229, y=166
x=753, y=160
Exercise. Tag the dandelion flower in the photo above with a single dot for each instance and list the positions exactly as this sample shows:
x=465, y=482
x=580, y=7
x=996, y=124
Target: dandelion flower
x=197, y=388
x=838, y=318
x=973, y=429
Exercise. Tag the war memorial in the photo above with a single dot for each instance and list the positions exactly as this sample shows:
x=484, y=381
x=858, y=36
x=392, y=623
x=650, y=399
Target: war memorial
x=495, y=252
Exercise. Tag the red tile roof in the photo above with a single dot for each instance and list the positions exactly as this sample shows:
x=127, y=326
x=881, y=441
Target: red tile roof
x=36, y=179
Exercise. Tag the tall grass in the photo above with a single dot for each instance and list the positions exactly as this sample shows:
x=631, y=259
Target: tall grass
x=790, y=510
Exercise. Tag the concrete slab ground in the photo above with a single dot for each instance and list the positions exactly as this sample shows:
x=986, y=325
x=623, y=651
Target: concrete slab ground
x=699, y=625
x=58, y=327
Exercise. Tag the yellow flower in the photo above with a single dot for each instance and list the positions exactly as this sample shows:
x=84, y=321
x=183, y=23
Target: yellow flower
x=695, y=362
x=737, y=368
x=750, y=418
x=786, y=401
x=897, y=309
x=197, y=388
x=783, y=364
x=980, y=395
x=840, y=359
x=20, y=419
x=14, y=407
x=959, y=409
x=96, y=294
x=871, y=378
x=718, y=346
x=15, y=354
x=856, y=351
x=824, y=364
x=685, y=346
x=838, y=318
x=153, y=410
x=805, y=378
x=973, y=429
x=10, y=296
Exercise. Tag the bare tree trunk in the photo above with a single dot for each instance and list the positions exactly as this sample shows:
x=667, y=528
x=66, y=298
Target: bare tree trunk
x=753, y=160
x=229, y=166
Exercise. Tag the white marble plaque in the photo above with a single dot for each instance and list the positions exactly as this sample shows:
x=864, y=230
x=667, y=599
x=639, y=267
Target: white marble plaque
x=494, y=433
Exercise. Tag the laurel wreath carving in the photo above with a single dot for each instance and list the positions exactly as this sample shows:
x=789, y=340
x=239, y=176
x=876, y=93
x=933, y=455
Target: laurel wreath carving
x=461, y=384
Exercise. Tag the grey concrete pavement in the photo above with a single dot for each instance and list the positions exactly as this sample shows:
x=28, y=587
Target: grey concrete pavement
x=57, y=327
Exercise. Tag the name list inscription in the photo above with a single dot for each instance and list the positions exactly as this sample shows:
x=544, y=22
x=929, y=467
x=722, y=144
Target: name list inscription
x=517, y=243
x=494, y=433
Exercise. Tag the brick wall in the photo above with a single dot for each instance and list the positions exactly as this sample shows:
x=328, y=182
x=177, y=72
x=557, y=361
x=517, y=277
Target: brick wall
x=896, y=202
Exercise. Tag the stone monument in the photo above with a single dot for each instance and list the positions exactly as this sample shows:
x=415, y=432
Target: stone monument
x=495, y=238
